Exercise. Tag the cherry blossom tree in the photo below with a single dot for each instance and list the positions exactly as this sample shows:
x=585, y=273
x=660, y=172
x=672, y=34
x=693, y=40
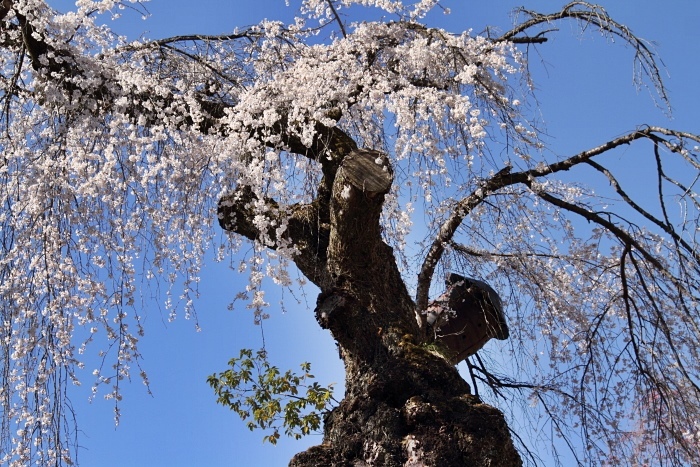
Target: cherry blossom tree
x=319, y=144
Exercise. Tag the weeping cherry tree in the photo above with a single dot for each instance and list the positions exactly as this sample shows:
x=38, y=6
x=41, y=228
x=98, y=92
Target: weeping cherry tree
x=368, y=158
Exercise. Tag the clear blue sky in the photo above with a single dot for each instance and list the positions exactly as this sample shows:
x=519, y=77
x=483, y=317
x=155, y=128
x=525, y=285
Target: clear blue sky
x=586, y=96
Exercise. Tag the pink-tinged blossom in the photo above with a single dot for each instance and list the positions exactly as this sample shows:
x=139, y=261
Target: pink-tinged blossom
x=112, y=182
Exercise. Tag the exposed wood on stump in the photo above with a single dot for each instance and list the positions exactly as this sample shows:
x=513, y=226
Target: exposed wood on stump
x=467, y=316
x=368, y=171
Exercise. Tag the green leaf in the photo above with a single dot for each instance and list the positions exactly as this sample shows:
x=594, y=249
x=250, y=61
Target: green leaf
x=252, y=387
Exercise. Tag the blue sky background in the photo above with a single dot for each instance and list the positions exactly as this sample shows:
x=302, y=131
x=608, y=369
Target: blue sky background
x=586, y=97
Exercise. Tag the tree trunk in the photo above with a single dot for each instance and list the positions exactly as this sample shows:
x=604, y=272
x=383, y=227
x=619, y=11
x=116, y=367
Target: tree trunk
x=403, y=406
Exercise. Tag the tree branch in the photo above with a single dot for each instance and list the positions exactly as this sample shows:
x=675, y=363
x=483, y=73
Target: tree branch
x=665, y=226
x=591, y=14
x=504, y=179
x=305, y=229
x=591, y=216
x=448, y=229
x=61, y=64
x=337, y=18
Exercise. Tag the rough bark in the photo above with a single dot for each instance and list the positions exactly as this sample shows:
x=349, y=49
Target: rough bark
x=404, y=406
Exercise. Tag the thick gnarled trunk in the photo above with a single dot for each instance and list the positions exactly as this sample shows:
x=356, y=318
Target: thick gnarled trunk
x=404, y=406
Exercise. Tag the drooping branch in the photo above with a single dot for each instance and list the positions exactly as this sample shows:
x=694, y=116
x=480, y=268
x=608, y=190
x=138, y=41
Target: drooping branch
x=594, y=217
x=500, y=180
x=66, y=71
x=590, y=14
x=666, y=226
x=630, y=243
x=334, y=11
x=664, y=389
x=64, y=68
x=504, y=179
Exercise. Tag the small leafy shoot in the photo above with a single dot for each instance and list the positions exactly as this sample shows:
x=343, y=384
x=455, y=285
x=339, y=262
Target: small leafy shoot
x=269, y=399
